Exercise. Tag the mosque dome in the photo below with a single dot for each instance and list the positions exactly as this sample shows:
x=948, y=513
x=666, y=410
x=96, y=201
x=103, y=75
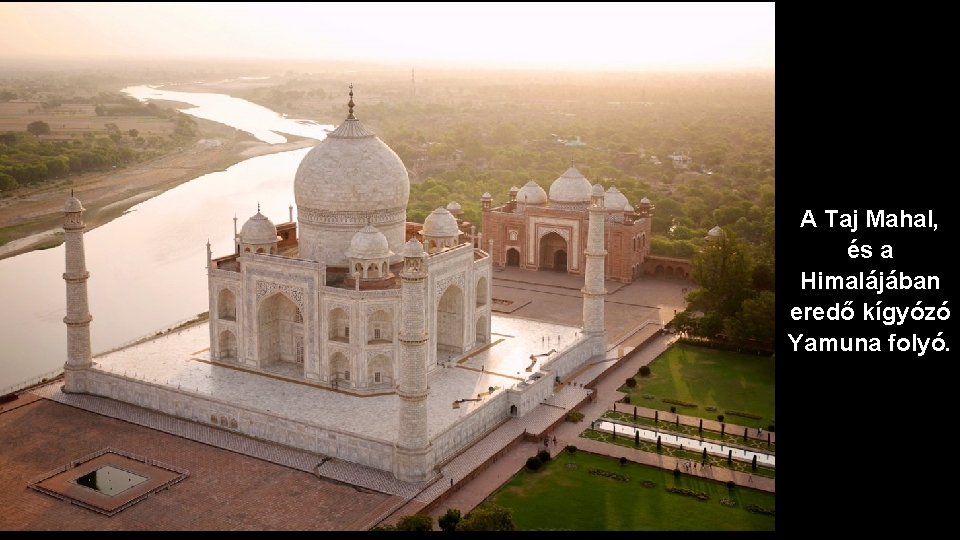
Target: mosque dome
x=532, y=193
x=614, y=200
x=369, y=243
x=258, y=230
x=440, y=223
x=571, y=187
x=629, y=208
x=715, y=232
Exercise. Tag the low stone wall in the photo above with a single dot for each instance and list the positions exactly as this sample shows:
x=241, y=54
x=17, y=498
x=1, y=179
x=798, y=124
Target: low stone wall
x=471, y=428
x=570, y=359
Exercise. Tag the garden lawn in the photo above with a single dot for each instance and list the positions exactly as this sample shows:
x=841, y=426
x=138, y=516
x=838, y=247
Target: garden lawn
x=726, y=380
x=565, y=496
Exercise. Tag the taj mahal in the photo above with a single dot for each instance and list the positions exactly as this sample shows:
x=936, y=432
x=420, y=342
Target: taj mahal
x=353, y=334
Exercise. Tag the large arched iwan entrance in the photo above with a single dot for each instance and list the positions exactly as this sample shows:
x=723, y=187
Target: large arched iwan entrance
x=450, y=322
x=553, y=252
x=279, y=331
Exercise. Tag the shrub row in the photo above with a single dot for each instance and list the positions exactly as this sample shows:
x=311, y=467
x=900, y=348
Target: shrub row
x=699, y=495
x=611, y=475
x=678, y=402
x=574, y=416
x=744, y=414
x=757, y=509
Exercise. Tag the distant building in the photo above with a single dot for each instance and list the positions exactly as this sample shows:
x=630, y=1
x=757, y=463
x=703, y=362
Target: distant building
x=540, y=232
x=680, y=160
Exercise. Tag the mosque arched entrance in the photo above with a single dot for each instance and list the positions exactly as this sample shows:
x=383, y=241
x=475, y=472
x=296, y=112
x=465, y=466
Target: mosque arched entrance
x=553, y=252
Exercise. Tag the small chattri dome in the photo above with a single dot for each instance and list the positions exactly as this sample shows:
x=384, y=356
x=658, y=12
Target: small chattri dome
x=73, y=205
x=532, y=193
x=454, y=206
x=514, y=189
x=615, y=200
x=258, y=230
x=571, y=187
x=597, y=191
x=369, y=243
x=440, y=223
x=486, y=195
x=644, y=201
x=413, y=248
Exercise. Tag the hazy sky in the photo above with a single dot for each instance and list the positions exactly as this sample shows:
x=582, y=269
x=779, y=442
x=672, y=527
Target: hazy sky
x=561, y=35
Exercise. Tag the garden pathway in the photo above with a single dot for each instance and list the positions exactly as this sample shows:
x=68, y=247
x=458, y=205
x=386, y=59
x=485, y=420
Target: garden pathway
x=470, y=494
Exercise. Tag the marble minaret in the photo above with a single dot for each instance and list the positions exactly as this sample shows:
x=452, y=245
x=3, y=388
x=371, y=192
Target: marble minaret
x=78, y=312
x=413, y=454
x=593, y=289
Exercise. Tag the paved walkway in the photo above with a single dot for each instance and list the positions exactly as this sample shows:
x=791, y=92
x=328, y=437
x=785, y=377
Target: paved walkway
x=694, y=421
x=469, y=495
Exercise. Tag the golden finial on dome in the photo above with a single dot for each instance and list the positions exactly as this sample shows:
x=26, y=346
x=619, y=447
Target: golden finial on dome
x=350, y=105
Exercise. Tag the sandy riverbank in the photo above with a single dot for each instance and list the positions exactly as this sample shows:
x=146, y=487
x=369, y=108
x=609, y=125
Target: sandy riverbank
x=32, y=219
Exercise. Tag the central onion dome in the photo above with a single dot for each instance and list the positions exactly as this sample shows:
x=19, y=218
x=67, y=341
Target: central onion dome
x=258, y=230
x=350, y=179
x=532, y=193
x=570, y=188
x=369, y=243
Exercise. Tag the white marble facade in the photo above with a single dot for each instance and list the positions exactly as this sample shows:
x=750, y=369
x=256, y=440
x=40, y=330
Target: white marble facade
x=349, y=303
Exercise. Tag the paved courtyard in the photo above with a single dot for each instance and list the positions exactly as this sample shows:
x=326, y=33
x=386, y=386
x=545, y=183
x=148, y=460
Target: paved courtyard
x=181, y=360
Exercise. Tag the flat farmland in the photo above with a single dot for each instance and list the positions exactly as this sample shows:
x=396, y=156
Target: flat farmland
x=70, y=121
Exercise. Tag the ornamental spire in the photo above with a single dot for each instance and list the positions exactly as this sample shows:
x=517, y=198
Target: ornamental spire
x=350, y=104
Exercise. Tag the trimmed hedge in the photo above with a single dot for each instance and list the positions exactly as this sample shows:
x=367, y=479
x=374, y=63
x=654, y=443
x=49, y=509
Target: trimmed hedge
x=744, y=414
x=679, y=402
x=757, y=509
x=699, y=495
x=611, y=475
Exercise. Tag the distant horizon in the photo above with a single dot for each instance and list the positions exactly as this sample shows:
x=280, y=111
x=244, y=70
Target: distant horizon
x=596, y=37
x=425, y=65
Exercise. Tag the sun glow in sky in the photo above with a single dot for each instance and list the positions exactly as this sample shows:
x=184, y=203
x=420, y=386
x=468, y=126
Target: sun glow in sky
x=545, y=35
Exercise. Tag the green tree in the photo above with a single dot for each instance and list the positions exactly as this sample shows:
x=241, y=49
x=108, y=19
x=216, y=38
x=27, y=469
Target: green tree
x=416, y=522
x=449, y=520
x=7, y=182
x=39, y=127
x=134, y=133
x=757, y=318
x=488, y=518
x=723, y=270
